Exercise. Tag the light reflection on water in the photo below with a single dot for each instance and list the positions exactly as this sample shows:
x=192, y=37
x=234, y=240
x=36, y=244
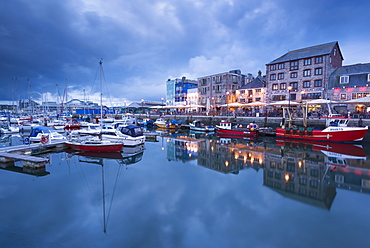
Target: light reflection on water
x=191, y=190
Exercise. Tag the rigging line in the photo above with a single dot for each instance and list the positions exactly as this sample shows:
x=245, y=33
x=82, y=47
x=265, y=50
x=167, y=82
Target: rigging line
x=106, y=86
x=84, y=180
x=114, y=190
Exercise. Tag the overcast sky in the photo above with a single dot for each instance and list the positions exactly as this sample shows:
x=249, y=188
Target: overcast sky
x=54, y=45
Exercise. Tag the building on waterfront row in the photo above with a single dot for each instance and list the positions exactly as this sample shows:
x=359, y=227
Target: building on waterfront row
x=305, y=74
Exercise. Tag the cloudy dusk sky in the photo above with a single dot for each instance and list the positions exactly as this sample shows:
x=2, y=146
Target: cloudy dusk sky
x=49, y=46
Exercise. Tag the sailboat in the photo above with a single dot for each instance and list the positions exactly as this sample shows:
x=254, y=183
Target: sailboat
x=95, y=143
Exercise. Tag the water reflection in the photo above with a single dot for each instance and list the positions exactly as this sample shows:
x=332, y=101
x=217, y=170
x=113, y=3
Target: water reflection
x=306, y=172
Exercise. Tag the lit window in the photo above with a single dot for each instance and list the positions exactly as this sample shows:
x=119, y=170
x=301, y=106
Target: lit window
x=275, y=87
x=283, y=86
x=368, y=77
x=343, y=96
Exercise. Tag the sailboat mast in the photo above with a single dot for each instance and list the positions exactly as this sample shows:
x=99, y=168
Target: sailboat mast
x=101, y=90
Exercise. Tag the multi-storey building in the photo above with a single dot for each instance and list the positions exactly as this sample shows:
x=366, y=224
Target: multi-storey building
x=302, y=74
x=351, y=82
x=177, y=89
x=253, y=91
x=215, y=90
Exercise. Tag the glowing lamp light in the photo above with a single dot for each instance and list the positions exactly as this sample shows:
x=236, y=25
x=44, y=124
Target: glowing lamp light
x=226, y=163
x=287, y=177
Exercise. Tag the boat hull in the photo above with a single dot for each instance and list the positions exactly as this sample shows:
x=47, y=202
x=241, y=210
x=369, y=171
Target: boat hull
x=95, y=148
x=330, y=134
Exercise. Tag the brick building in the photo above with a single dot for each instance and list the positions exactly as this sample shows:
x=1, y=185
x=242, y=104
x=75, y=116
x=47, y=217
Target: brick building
x=302, y=74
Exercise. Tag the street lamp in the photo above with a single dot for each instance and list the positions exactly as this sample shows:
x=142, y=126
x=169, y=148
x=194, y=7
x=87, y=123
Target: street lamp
x=289, y=90
x=227, y=103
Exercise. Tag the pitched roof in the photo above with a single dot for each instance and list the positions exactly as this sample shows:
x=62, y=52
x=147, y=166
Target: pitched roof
x=307, y=52
x=357, y=72
x=255, y=83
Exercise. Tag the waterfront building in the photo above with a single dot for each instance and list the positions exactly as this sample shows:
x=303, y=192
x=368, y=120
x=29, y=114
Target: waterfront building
x=302, y=74
x=220, y=89
x=351, y=82
x=253, y=91
x=177, y=90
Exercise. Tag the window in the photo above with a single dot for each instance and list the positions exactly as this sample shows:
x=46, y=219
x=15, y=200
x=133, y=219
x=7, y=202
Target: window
x=311, y=96
x=235, y=79
x=283, y=86
x=258, y=99
x=307, y=61
x=343, y=96
x=273, y=67
x=294, y=85
x=344, y=80
x=335, y=52
x=275, y=87
x=317, y=83
x=218, y=79
x=293, y=75
x=294, y=65
x=258, y=90
x=302, y=181
x=307, y=73
x=273, y=77
x=306, y=84
x=318, y=60
x=204, y=81
x=278, y=98
x=368, y=77
x=281, y=66
x=281, y=76
x=318, y=71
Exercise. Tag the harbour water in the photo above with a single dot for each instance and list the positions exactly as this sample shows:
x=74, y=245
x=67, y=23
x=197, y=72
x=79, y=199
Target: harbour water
x=190, y=190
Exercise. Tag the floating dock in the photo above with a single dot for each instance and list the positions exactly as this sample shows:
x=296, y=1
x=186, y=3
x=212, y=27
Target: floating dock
x=13, y=152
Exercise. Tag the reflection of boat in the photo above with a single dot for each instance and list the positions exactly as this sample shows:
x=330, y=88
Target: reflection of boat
x=329, y=149
x=227, y=127
x=197, y=125
x=231, y=136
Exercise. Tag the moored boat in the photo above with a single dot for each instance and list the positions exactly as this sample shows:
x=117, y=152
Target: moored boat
x=337, y=130
x=227, y=127
x=94, y=144
x=197, y=125
x=167, y=124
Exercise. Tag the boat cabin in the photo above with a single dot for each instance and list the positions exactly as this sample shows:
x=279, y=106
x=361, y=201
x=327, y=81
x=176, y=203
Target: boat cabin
x=336, y=120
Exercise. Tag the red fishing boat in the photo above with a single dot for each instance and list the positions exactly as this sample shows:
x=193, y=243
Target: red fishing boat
x=229, y=128
x=337, y=130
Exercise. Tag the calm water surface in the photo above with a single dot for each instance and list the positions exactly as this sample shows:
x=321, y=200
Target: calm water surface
x=191, y=191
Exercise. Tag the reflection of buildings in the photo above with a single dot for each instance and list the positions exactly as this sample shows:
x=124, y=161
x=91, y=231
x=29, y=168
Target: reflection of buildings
x=298, y=175
x=230, y=157
x=310, y=173
x=182, y=148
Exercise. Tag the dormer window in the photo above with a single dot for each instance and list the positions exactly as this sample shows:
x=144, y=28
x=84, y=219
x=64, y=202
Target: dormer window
x=344, y=80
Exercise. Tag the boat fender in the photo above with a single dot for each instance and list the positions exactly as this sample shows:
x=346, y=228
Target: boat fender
x=44, y=139
x=26, y=141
